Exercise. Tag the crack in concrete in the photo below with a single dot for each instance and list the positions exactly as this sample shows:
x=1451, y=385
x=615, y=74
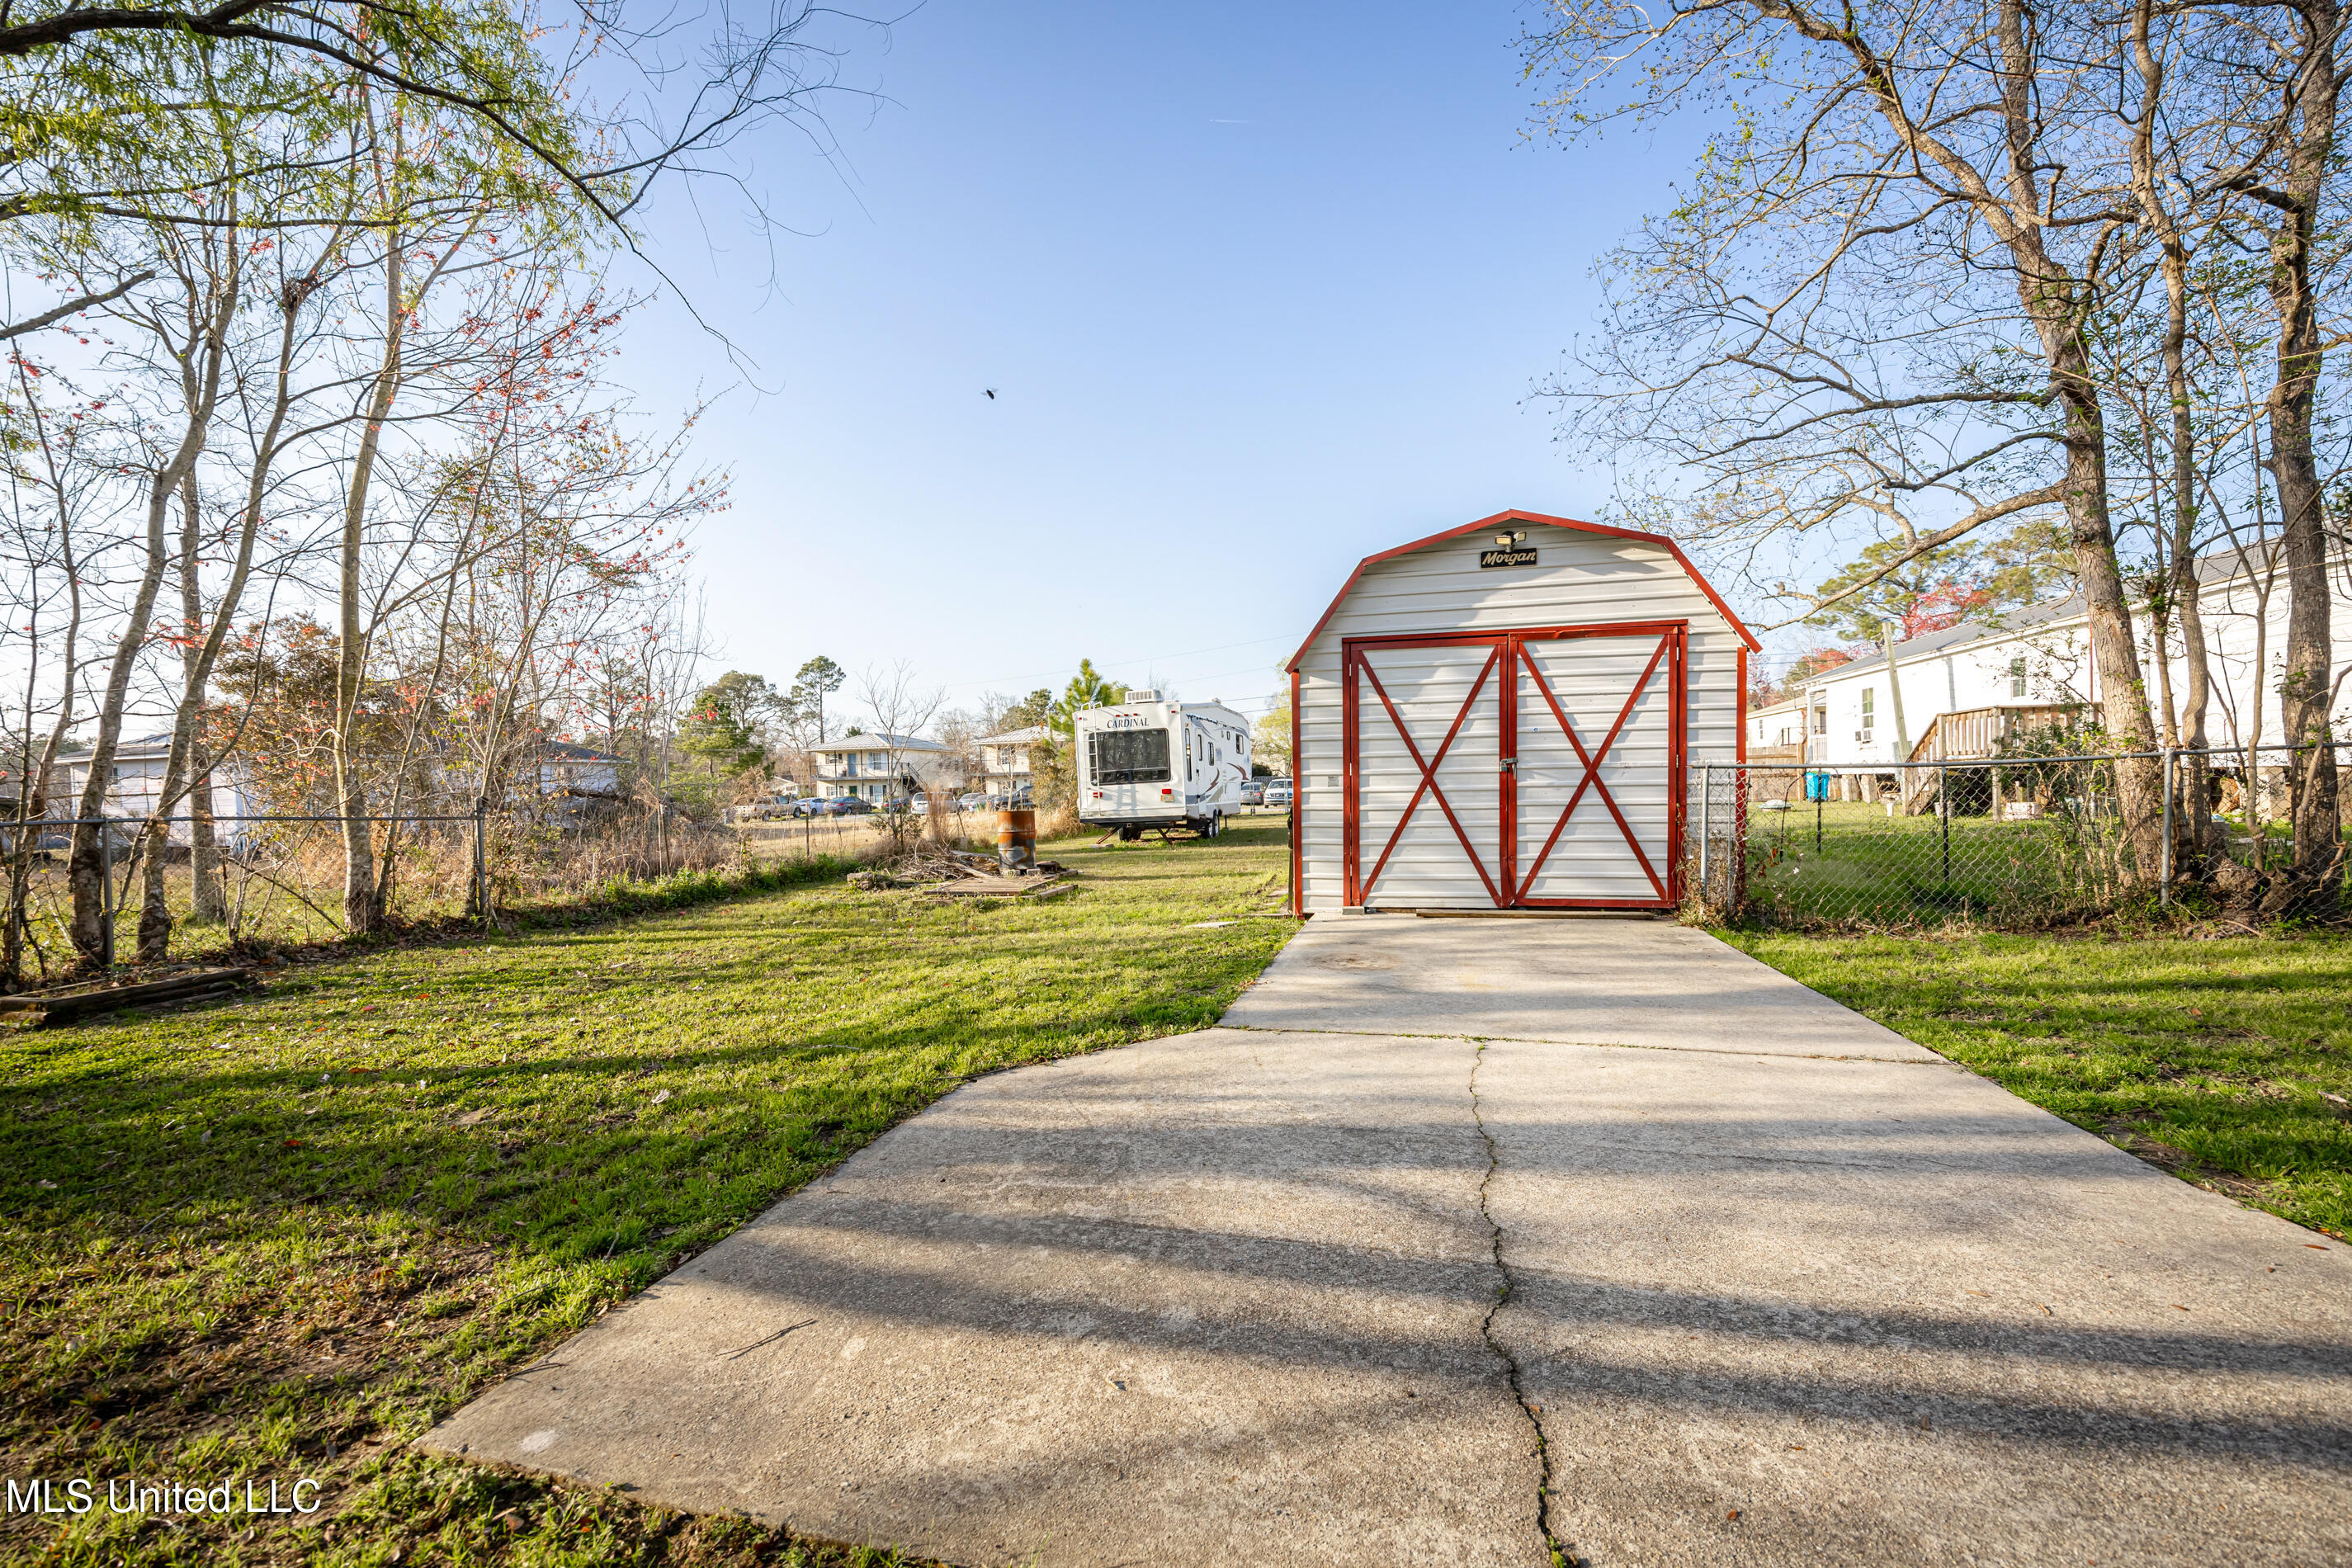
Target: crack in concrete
x=1563, y=1555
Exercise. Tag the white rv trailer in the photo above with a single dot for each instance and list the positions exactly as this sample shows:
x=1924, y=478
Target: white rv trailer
x=1149, y=764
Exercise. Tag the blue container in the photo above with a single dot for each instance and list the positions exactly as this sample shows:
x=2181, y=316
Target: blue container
x=1817, y=786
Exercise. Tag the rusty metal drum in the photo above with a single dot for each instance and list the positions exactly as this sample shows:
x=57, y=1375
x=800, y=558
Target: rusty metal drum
x=1017, y=840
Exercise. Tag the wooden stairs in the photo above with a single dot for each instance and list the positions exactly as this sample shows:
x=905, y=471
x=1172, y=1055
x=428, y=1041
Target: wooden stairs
x=1972, y=735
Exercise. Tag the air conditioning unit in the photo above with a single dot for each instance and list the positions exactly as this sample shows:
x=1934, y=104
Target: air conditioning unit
x=1142, y=696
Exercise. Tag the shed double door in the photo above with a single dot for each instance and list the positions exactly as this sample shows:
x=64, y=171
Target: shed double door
x=1530, y=769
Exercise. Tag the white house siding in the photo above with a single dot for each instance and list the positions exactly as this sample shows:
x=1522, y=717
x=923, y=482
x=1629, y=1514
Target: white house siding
x=1946, y=678
x=1004, y=761
x=137, y=782
x=2231, y=624
x=1973, y=667
x=870, y=767
x=1581, y=579
x=1781, y=724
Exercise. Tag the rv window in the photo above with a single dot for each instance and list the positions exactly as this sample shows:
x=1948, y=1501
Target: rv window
x=1127, y=756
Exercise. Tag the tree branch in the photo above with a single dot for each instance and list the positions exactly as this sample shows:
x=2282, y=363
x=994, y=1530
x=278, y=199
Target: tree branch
x=48, y=317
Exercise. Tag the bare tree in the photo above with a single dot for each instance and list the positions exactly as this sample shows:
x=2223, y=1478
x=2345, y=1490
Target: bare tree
x=2286, y=88
x=901, y=709
x=196, y=338
x=48, y=491
x=1903, y=248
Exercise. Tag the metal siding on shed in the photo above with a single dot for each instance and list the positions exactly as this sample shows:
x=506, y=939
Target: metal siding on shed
x=1581, y=579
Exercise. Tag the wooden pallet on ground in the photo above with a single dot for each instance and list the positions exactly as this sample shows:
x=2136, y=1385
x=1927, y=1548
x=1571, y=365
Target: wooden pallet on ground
x=47, y=1009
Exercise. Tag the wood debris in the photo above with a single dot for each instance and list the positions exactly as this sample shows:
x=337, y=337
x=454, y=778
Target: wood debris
x=64, y=1006
x=958, y=874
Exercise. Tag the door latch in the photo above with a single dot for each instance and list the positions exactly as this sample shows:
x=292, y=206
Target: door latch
x=1510, y=764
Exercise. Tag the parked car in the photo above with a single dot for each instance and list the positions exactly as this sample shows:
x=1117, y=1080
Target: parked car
x=978, y=800
x=848, y=805
x=813, y=807
x=1278, y=792
x=1254, y=792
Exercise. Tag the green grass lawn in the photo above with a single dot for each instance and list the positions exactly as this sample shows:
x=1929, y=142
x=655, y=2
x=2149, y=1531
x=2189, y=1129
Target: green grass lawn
x=274, y=1238
x=2229, y=1062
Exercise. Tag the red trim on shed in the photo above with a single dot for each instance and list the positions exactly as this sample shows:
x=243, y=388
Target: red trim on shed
x=1348, y=587
x=1741, y=754
x=1298, y=781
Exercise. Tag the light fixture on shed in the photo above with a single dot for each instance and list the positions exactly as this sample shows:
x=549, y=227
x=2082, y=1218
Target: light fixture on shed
x=1508, y=540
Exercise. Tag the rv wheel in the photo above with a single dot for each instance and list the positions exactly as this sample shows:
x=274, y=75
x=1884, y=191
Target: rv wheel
x=1129, y=834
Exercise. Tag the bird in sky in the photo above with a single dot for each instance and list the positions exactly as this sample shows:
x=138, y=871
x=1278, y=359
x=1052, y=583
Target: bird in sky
x=991, y=393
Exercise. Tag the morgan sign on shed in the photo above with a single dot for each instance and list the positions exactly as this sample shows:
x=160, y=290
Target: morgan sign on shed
x=1467, y=738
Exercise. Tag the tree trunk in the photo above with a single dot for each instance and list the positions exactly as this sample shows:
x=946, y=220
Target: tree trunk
x=2304, y=689
x=155, y=906
x=207, y=899
x=362, y=899
x=85, y=861
x=2055, y=304
x=2184, y=724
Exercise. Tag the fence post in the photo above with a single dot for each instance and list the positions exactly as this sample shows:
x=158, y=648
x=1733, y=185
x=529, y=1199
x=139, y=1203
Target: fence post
x=1705, y=830
x=2164, y=856
x=481, y=863
x=1944, y=810
x=105, y=893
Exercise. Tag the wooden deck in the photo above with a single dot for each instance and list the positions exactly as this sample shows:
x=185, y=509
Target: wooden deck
x=1972, y=735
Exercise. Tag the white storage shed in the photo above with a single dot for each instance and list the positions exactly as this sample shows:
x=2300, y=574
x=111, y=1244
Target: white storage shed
x=1507, y=715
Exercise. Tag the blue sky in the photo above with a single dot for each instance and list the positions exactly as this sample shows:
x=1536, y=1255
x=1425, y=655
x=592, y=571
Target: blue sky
x=1261, y=289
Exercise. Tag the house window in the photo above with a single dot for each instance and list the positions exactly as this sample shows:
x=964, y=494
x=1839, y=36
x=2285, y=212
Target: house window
x=2017, y=677
x=1821, y=717
x=1869, y=708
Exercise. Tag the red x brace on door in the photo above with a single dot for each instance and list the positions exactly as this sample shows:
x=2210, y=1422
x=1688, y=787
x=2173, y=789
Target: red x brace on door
x=1591, y=762
x=1428, y=785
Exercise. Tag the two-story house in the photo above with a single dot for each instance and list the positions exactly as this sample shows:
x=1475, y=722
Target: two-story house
x=877, y=767
x=1004, y=762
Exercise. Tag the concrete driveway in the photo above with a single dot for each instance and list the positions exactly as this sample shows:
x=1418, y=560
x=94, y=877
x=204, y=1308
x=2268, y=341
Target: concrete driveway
x=1464, y=1238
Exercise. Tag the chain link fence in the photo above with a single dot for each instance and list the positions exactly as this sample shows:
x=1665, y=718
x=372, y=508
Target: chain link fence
x=2023, y=841
x=265, y=880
